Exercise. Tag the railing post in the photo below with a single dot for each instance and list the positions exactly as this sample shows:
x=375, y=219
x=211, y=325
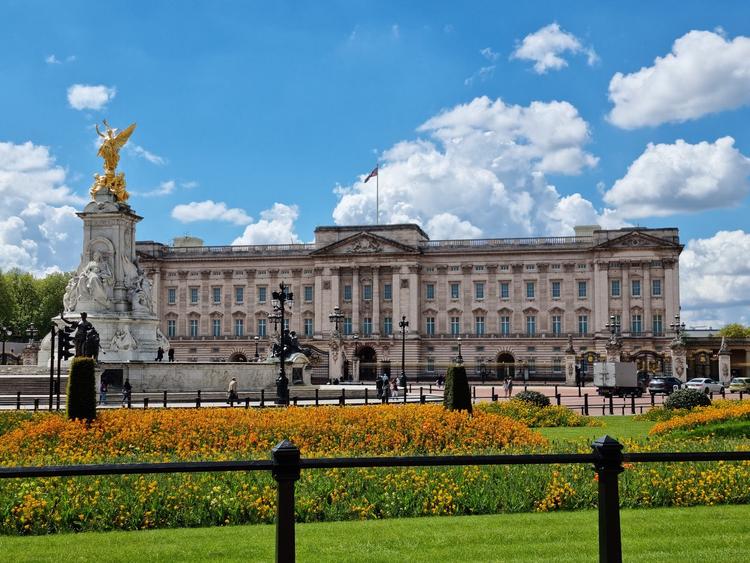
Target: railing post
x=404, y=394
x=367, y=400
x=36, y=404
x=18, y=400
x=632, y=404
x=557, y=398
x=586, y=403
x=608, y=465
x=145, y=402
x=286, y=470
x=164, y=402
x=473, y=393
x=421, y=396
x=294, y=401
x=130, y=398
x=317, y=391
x=556, y=391
x=247, y=402
x=262, y=397
x=611, y=405
x=342, y=399
x=653, y=401
x=723, y=393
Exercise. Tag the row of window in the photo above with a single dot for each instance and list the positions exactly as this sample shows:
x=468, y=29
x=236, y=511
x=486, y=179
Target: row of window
x=556, y=324
x=239, y=294
x=555, y=289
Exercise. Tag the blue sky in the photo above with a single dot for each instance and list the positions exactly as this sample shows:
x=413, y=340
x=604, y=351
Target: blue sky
x=257, y=122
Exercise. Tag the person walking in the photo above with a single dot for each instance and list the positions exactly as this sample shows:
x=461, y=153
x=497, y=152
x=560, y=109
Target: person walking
x=127, y=389
x=394, y=388
x=170, y=354
x=232, y=396
x=508, y=386
x=103, y=393
x=160, y=354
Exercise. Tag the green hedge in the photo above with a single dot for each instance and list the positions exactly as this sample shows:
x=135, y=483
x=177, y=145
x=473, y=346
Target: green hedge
x=82, y=389
x=457, y=394
x=687, y=399
x=533, y=397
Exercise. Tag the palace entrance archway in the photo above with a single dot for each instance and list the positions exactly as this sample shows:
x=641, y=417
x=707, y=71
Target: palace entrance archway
x=368, y=363
x=506, y=365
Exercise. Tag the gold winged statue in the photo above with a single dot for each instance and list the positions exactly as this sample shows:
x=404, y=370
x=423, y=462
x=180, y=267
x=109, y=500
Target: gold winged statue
x=110, y=151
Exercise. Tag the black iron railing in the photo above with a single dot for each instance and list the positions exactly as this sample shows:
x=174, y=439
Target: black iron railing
x=286, y=465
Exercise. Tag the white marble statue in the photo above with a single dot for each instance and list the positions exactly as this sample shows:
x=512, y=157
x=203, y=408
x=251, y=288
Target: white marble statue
x=93, y=283
x=140, y=294
x=123, y=340
x=161, y=340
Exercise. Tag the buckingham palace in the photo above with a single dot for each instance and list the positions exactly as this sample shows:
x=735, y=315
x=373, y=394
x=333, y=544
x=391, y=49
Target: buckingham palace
x=503, y=304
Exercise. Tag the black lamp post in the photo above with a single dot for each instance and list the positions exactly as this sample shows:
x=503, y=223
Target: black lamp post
x=31, y=332
x=677, y=327
x=6, y=333
x=460, y=358
x=404, y=326
x=336, y=318
x=280, y=299
x=257, y=356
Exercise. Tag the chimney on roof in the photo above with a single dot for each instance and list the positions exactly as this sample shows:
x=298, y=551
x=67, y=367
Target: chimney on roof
x=586, y=230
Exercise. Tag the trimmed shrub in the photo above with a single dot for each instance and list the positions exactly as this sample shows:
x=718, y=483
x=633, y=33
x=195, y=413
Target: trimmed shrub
x=457, y=393
x=533, y=397
x=687, y=399
x=82, y=389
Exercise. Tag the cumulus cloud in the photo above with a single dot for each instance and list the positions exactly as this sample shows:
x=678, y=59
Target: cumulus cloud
x=715, y=279
x=704, y=73
x=39, y=230
x=53, y=60
x=165, y=188
x=547, y=45
x=481, y=171
x=84, y=96
x=276, y=226
x=140, y=152
x=210, y=211
x=681, y=177
x=484, y=72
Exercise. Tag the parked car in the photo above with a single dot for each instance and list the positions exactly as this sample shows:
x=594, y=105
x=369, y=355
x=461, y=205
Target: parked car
x=663, y=384
x=705, y=385
x=740, y=385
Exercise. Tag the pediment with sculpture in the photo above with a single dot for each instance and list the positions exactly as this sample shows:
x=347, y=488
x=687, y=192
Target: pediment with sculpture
x=365, y=243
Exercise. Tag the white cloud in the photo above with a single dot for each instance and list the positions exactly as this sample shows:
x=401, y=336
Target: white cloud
x=192, y=184
x=139, y=151
x=715, y=279
x=704, y=73
x=489, y=54
x=52, y=60
x=210, y=211
x=395, y=31
x=481, y=172
x=276, y=226
x=165, y=188
x=681, y=177
x=484, y=72
x=547, y=45
x=39, y=230
x=83, y=96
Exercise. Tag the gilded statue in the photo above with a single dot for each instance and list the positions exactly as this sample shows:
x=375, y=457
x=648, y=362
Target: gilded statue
x=110, y=151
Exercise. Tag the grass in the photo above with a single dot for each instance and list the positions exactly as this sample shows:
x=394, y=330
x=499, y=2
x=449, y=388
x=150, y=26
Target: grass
x=716, y=533
x=620, y=427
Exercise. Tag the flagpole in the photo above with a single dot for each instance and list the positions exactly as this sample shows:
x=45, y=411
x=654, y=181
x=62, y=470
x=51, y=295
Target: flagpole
x=377, y=196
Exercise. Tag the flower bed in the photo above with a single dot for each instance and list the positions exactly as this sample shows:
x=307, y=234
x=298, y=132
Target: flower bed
x=537, y=416
x=720, y=411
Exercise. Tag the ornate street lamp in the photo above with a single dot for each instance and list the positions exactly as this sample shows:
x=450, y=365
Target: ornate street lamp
x=6, y=333
x=257, y=356
x=31, y=332
x=404, y=326
x=279, y=300
x=460, y=358
x=677, y=327
x=355, y=337
x=614, y=328
x=336, y=318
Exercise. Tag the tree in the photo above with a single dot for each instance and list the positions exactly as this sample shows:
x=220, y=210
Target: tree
x=457, y=395
x=6, y=307
x=735, y=330
x=51, y=290
x=24, y=300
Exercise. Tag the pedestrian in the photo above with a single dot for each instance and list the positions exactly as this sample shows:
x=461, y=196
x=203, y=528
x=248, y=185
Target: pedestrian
x=386, y=388
x=394, y=388
x=170, y=355
x=103, y=393
x=379, y=386
x=232, y=391
x=127, y=389
x=160, y=354
x=508, y=386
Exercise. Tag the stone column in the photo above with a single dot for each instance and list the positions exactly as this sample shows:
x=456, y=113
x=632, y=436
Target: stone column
x=375, y=301
x=355, y=301
x=321, y=316
x=570, y=363
x=725, y=366
x=335, y=358
x=679, y=359
x=396, y=293
x=413, y=314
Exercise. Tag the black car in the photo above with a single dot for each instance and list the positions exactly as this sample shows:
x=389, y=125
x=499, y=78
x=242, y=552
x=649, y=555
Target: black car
x=664, y=385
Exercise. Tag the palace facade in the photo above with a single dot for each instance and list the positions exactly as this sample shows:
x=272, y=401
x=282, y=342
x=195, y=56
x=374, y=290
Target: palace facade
x=510, y=304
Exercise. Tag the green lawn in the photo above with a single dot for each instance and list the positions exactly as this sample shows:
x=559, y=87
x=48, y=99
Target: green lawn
x=620, y=427
x=717, y=533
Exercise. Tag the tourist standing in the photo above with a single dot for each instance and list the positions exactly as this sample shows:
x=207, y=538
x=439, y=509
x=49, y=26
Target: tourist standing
x=102, y=393
x=160, y=354
x=127, y=389
x=232, y=391
x=508, y=386
x=170, y=355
